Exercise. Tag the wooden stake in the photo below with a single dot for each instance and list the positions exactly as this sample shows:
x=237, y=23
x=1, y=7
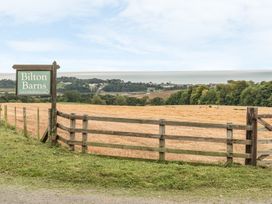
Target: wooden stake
x=72, y=133
x=162, y=140
x=54, y=103
x=252, y=114
x=6, y=115
x=38, y=124
x=49, y=126
x=25, y=121
x=15, y=118
x=85, y=134
x=229, y=143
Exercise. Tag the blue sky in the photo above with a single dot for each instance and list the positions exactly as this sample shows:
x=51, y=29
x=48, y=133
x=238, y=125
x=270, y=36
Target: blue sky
x=137, y=35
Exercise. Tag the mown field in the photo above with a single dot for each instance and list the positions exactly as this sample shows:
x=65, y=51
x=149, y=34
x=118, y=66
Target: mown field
x=27, y=160
x=213, y=114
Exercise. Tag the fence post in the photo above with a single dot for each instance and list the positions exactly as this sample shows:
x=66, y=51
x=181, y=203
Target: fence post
x=162, y=140
x=84, y=134
x=25, y=121
x=72, y=131
x=229, y=143
x=6, y=115
x=38, y=124
x=252, y=114
x=50, y=124
x=15, y=118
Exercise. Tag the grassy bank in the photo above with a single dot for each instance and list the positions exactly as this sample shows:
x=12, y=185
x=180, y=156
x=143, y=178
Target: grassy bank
x=28, y=159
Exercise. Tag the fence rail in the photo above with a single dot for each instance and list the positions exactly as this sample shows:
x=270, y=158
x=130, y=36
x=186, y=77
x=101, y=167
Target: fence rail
x=161, y=136
x=250, y=142
x=153, y=122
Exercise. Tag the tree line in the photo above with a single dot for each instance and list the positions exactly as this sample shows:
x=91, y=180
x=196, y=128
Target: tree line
x=233, y=93
x=245, y=93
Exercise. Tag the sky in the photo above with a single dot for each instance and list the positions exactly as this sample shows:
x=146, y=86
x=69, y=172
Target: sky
x=137, y=35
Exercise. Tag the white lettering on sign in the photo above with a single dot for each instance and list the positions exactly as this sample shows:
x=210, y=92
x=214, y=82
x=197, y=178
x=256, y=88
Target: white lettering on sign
x=32, y=77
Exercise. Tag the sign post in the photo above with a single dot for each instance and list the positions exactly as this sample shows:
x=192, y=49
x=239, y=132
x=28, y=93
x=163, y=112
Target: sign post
x=40, y=80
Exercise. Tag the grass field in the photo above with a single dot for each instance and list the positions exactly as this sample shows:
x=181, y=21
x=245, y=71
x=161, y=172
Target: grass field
x=27, y=160
x=213, y=114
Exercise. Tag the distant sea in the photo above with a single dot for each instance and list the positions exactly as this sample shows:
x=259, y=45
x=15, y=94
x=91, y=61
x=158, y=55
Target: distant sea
x=176, y=77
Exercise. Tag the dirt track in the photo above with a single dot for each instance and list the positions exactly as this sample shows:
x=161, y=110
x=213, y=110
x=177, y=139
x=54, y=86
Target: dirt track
x=22, y=195
x=213, y=114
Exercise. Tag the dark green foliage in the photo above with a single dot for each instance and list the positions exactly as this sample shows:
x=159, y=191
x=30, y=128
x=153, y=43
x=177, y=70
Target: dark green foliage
x=133, y=101
x=174, y=99
x=233, y=93
x=208, y=96
x=97, y=100
x=157, y=101
x=7, y=84
x=71, y=89
x=71, y=96
x=120, y=100
x=120, y=86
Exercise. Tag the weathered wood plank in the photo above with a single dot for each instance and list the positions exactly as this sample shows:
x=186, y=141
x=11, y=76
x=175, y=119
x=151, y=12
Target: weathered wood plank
x=157, y=136
x=25, y=121
x=34, y=67
x=6, y=115
x=62, y=139
x=154, y=122
x=265, y=116
x=15, y=118
x=50, y=124
x=265, y=124
x=229, y=144
x=38, y=123
x=72, y=132
x=252, y=114
x=169, y=150
x=265, y=141
x=45, y=136
x=84, y=134
x=262, y=156
x=162, y=140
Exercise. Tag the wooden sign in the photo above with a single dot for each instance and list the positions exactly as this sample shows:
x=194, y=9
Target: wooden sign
x=40, y=80
x=33, y=83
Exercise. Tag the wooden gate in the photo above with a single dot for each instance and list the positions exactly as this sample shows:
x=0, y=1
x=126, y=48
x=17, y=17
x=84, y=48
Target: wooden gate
x=264, y=155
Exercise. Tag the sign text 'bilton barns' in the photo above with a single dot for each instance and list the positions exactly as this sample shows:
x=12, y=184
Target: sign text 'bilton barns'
x=33, y=82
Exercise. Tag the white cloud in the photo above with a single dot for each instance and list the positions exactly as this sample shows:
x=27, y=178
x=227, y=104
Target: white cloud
x=40, y=45
x=40, y=11
x=153, y=34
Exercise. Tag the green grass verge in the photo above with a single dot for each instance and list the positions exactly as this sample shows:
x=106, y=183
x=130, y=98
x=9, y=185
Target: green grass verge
x=26, y=159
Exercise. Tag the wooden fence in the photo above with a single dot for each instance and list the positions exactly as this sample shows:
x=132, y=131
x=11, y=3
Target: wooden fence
x=251, y=155
x=5, y=121
x=250, y=141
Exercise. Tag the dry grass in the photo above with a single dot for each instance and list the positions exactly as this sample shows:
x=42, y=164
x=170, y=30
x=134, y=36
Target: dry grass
x=213, y=114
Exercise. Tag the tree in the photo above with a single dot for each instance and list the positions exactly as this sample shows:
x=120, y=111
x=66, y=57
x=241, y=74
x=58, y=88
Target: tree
x=196, y=94
x=97, y=100
x=184, y=97
x=120, y=100
x=71, y=96
x=208, y=96
x=236, y=88
x=248, y=96
x=223, y=91
x=173, y=99
x=157, y=101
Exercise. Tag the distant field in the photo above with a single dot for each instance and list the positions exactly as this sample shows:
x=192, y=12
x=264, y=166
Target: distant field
x=216, y=114
x=162, y=94
x=7, y=90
